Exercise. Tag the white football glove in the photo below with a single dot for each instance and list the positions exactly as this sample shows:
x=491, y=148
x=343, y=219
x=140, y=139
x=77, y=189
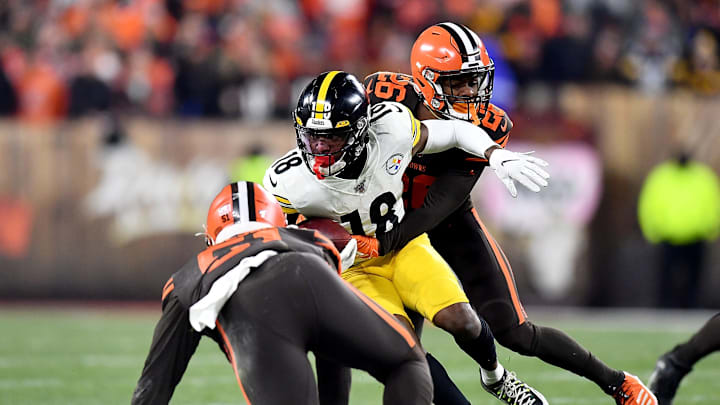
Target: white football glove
x=526, y=169
x=347, y=255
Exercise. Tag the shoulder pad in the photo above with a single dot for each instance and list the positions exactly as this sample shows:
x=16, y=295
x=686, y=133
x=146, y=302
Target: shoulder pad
x=497, y=124
x=390, y=86
x=396, y=117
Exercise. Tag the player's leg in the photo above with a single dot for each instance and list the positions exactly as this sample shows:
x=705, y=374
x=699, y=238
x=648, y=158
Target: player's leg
x=445, y=391
x=334, y=381
x=265, y=328
x=356, y=331
x=427, y=285
x=487, y=277
x=672, y=366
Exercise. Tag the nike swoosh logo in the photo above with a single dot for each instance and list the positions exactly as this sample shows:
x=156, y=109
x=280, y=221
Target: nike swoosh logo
x=274, y=184
x=501, y=163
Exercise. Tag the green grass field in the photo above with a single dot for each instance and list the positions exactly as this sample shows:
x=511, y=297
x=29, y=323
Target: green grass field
x=83, y=356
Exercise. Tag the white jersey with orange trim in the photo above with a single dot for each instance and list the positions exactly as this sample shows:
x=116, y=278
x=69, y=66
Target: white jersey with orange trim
x=366, y=205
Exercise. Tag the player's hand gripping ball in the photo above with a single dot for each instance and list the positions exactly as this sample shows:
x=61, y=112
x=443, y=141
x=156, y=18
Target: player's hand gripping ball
x=331, y=229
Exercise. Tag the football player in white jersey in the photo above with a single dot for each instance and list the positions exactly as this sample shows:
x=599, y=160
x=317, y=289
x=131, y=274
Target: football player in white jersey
x=348, y=166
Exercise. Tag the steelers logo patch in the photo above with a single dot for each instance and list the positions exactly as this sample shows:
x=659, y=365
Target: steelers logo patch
x=392, y=165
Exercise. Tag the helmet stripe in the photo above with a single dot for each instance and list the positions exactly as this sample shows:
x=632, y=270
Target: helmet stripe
x=463, y=40
x=252, y=214
x=472, y=37
x=476, y=44
x=322, y=94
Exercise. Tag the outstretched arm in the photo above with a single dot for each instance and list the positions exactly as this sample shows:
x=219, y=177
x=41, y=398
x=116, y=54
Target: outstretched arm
x=174, y=342
x=440, y=135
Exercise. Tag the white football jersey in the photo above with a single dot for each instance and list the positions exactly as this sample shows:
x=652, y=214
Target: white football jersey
x=366, y=205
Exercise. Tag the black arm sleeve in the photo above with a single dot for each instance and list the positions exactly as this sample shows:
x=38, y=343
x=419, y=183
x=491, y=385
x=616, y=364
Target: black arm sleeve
x=174, y=342
x=447, y=193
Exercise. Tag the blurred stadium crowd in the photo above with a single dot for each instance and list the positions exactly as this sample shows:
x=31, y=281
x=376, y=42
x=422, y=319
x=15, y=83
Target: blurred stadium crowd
x=248, y=58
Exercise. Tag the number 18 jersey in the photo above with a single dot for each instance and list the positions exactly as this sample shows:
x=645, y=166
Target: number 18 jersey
x=368, y=204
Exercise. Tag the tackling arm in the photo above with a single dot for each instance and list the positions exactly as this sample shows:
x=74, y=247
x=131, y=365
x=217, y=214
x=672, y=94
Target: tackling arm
x=440, y=135
x=174, y=342
x=444, y=196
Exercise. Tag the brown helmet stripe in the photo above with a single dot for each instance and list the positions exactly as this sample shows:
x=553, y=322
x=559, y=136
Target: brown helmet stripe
x=252, y=213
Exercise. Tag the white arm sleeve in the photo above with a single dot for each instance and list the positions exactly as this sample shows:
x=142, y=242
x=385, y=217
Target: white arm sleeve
x=447, y=134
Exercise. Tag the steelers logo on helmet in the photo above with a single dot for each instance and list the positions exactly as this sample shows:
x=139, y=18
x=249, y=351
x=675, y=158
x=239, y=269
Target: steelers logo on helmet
x=331, y=122
x=453, y=71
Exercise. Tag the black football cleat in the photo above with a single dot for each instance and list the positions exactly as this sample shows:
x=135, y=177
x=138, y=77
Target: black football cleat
x=665, y=379
x=512, y=391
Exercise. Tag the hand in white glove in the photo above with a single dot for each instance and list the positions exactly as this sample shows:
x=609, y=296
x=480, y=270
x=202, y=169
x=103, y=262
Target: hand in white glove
x=526, y=169
x=347, y=255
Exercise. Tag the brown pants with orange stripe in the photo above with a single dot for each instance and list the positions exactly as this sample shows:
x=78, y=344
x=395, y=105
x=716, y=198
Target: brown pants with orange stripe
x=296, y=304
x=487, y=278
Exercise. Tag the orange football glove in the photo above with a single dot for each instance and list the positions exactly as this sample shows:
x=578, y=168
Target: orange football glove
x=367, y=246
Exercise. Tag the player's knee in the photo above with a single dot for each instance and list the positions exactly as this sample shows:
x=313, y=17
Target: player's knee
x=460, y=320
x=520, y=339
x=419, y=385
x=409, y=382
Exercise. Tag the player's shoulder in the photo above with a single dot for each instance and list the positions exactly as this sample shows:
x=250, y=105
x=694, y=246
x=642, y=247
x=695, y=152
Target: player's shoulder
x=282, y=177
x=312, y=241
x=398, y=78
x=388, y=111
x=496, y=122
x=392, y=86
x=391, y=119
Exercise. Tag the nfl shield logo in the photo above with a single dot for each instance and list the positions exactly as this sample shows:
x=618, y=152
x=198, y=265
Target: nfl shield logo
x=360, y=188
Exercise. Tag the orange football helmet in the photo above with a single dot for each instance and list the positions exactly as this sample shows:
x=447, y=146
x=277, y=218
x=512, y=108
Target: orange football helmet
x=452, y=69
x=242, y=202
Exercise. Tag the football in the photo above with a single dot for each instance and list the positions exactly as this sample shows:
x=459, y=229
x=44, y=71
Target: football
x=331, y=229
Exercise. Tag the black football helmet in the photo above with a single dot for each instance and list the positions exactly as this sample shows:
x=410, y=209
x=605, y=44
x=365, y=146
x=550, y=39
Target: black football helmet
x=334, y=110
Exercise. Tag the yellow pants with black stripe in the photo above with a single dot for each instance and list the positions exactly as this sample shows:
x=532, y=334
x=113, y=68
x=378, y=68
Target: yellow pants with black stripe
x=416, y=277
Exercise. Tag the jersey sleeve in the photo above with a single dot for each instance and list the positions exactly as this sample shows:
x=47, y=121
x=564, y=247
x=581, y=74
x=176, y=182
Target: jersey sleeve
x=396, y=118
x=497, y=124
x=274, y=183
